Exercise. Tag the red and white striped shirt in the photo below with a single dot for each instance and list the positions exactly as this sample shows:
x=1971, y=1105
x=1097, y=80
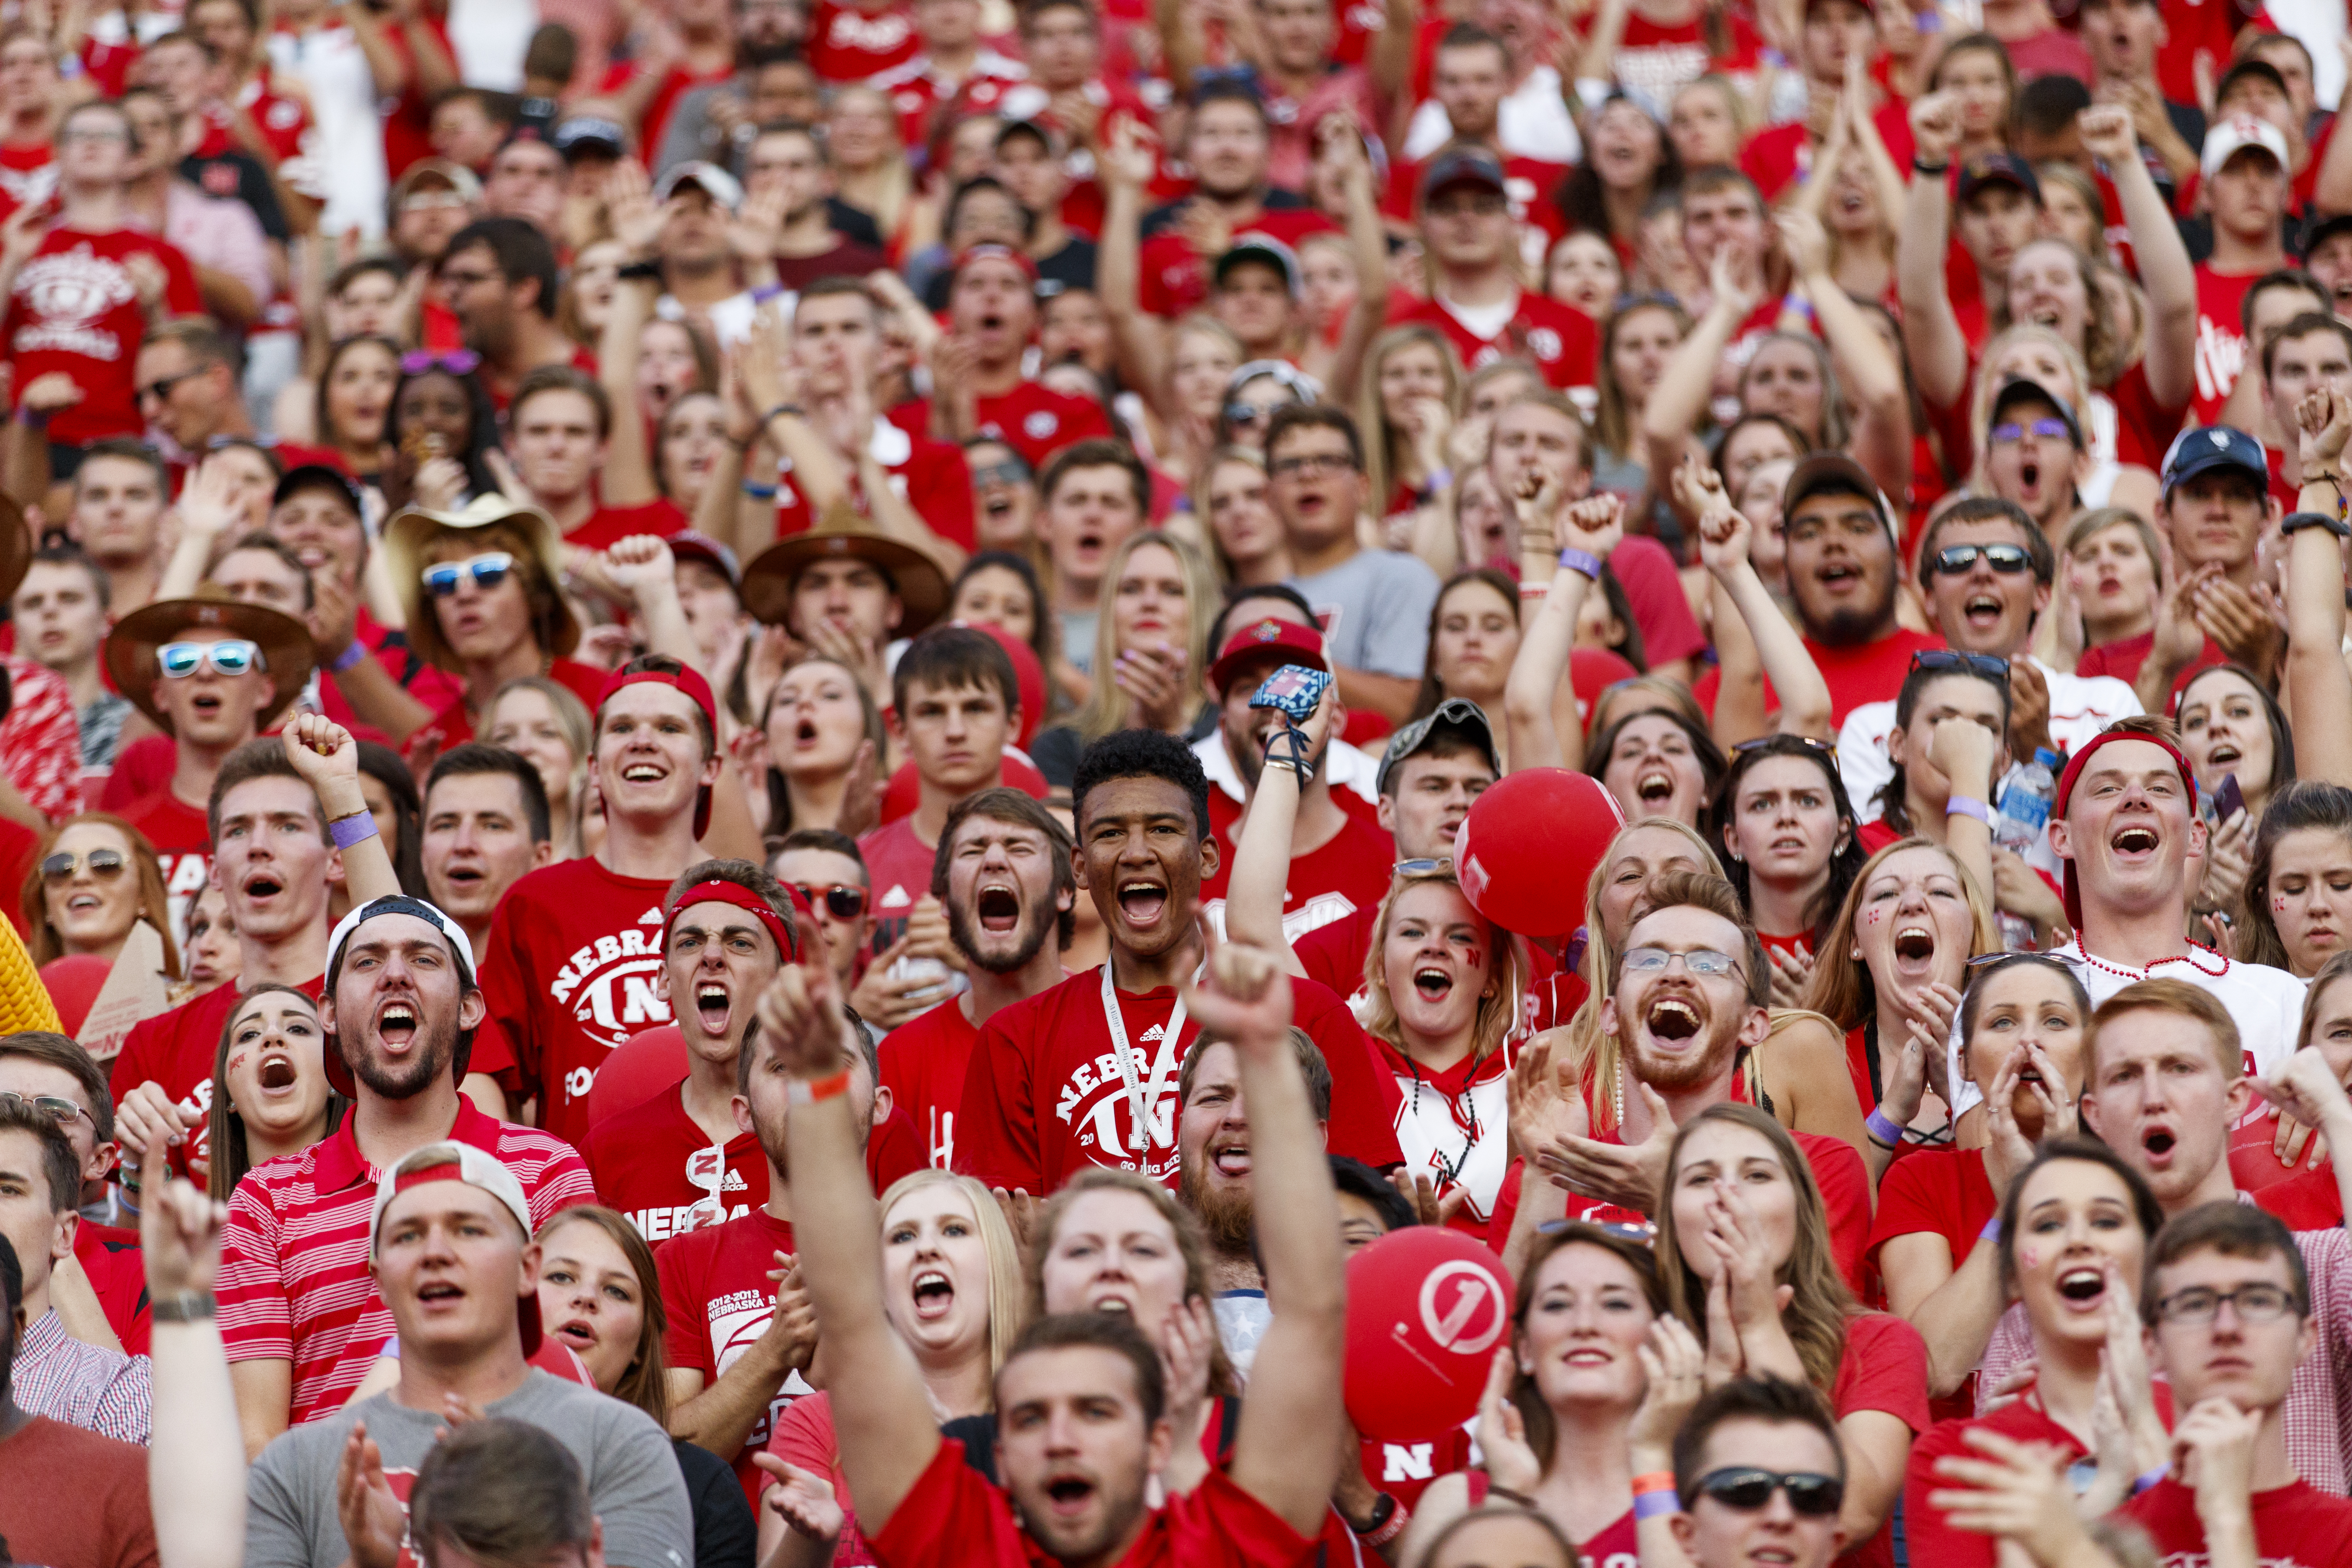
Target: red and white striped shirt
x=294, y=1282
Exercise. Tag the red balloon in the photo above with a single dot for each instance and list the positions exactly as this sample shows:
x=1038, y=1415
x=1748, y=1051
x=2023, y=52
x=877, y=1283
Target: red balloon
x=73, y=984
x=1528, y=846
x=1426, y=1307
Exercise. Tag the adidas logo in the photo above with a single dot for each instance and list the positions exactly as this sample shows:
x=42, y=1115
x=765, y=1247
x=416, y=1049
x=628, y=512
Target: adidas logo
x=652, y=917
x=896, y=898
x=1153, y=1033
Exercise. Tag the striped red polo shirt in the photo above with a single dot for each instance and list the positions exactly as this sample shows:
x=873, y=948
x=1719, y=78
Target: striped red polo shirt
x=294, y=1281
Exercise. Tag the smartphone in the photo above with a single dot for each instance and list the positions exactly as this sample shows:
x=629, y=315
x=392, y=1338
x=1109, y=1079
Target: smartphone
x=1293, y=691
x=2227, y=799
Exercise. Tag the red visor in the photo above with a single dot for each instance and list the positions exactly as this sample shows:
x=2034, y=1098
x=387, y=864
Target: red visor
x=742, y=897
x=2066, y=793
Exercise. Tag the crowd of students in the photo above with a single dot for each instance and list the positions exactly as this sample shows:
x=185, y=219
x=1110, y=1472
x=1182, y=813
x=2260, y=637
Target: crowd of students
x=721, y=721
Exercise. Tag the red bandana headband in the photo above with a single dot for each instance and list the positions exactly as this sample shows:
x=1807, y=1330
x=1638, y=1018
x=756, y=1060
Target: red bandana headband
x=418, y=1177
x=716, y=891
x=2072, y=894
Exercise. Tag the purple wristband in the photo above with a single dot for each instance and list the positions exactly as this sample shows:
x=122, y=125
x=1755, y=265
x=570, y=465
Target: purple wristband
x=354, y=829
x=1968, y=806
x=1582, y=561
x=1881, y=1127
x=349, y=657
x=1652, y=1505
x=2141, y=1483
x=1991, y=1231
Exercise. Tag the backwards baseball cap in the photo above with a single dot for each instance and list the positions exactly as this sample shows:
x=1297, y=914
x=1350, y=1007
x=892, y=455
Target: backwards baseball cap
x=2020, y=389
x=1464, y=166
x=2211, y=447
x=710, y=552
x=1456, y=716
x=708, y=178
x=1267, y=251
x=1304, y=644
x=318, y=476
x=338, y=1072
x=451, y=1161
x=2233, y=136
x=1998, y=168
x=719, y=891
x=2320, y=231
x=686, y=679
x=2072, y=894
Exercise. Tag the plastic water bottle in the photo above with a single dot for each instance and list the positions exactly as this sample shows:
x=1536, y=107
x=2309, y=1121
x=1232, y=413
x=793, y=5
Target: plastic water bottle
x=2018, y=828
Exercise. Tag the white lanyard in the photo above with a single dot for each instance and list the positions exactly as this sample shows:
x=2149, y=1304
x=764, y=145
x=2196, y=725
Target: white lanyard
x=1140, y=1096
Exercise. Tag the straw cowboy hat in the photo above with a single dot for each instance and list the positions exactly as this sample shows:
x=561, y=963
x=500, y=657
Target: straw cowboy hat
x=411, y=530
x=840, y=533
x=131, y=647
x=16, y=547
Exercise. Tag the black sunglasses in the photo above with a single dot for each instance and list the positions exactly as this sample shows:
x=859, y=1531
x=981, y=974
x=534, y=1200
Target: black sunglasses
x=1988, y=665
x=841, y=901
x=104, y=864
x=2007, y=560
x=1746, y=1489
x=1809, y=742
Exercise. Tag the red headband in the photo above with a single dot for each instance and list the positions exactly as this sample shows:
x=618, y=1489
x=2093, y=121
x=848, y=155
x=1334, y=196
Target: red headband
x=716, y=891
x=2074, y=897
x=686, y=680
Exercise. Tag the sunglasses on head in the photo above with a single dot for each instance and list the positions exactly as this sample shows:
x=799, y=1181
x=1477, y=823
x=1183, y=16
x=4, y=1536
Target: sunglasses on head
x=1746, y=1489
x=2007, y=560
x=841, y=901
x=104, y=864
x=1990, y=666
x=1440, y=866
x=456, y=361
x=1808, y=742
x=232, y=656
x=1012, y=471
x=488, y=571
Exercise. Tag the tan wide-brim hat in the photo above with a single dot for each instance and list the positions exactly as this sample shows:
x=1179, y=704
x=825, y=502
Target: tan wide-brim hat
x=410, y=530
x=131, y=647
x=921, y=583
x=16, y=547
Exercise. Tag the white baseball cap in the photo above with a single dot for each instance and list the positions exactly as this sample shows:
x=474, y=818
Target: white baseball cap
x=451, y=1161
x=2236, y=134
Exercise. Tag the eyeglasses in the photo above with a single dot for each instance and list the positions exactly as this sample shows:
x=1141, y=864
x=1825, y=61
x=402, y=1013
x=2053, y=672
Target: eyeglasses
x=2046, y=429
x=231, y=655
x=488, y=571
x=432, y=201
x=2007, y=560
x=1702, y=961
x=1311, y=463
x=1011, y=472
x=453, y=279
x=1990, y=666
x=1747, y=1490
x=1443, y=865
x=2198, y=1306
x=841, y=901
x=105, y=865
x=161, y=387
x=57, y=1109
x=456, y=361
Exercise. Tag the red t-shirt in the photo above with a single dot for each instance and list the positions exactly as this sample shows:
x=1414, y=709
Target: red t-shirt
x=176, y=1051
x=716, y=1290
x=1885, y=1367
x=118, y=1274
x=1645, y=569
x=953, y=1516
x=1559, y=339
x=846, y=44
x=453, y=726
x=1929, y=1537
x=182, y=838
x=608, y=525
x=2295, y=1526
x=1350, y=873
x=1942, y=1191
x=1033, y=419
x=568, y=973
x=1864, y=672
x=1782, y=154
x=652, y=1163
x=75, y=309
x=898, y=870
x=932, y=477
x=1174, y=276
x=2122, y=658
x=923, y=1068
x=1048, y=1098
x=2208, y=27
x=28, y=172
x=2308, y=1202
x=2221, y=341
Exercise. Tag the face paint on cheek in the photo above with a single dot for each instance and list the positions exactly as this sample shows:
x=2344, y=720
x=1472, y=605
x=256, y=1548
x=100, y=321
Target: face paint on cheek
x=237, y=1062
x=2278, y=904
x=1475, y=957
x=2029, y=1257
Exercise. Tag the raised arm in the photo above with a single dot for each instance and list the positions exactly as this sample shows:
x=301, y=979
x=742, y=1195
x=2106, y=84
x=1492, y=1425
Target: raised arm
x=1342, y=147
x=1288, y=1454
x=1931, y=332
x=1593, y=526
x=1882, y=433
x=327, y=757
x=882, y=1415
x=2318, y=685
x=629, y=474
x=1261, y=871
x=1125, y=167
x=208, y=512
x=1779, y=651
x=195, y=1461
x=2165, y=270
x=1678, y=403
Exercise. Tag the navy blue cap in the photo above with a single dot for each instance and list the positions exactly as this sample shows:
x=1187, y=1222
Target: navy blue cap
x=318, y=476
x=2202, y=450
x=1996, y=169
x=2021, y=389
x=1464, y=165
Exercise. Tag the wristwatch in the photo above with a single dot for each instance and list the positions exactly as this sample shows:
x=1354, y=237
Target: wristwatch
x=640, y=272
x=182, y=1306
x=2334, y=525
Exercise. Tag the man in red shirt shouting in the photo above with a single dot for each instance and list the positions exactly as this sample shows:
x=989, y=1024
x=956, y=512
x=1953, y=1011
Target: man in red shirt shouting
x=1084, y=1421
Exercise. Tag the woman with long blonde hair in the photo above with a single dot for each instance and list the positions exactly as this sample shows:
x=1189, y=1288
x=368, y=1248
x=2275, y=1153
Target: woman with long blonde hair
x=1741, y=1216
x=1405, y=405
x=869, y=164
x=1151, y=650
x=92, y=878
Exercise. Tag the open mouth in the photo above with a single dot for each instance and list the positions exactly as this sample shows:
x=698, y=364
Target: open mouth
x=641, y=772
x=998, y=908
x=433, y=1290
x=1671, y=1018
x=1434, y=984
x=934, y=1294
x=263, y=885
x=1069, y=1494
x=992, y=322
x=1654, y=789
x=2028, y=475
x=804, y=733
x=2159, y=1142
x=2029, y=1075
x=1141, y=902
x=81, y=903
x=461, y=876
x=396, y=1024
x=2224, y=753
x=1838, y=576
x=2137, y=839
x=1983, y=611
x=2083, y=1285
x=1232, y=1160
x=997, y=505
x=2043, y=315
x=206, y=704
x=579, y=1334
x=1914, y=944
x=712, y=1005
x=276, y=1071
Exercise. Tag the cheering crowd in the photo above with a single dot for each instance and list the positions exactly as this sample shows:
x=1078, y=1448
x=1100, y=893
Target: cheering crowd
x=1475, y=783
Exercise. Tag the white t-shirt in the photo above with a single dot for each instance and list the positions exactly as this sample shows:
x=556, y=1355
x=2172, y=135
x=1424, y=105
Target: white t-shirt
x=1532, y=123
x=349, y=150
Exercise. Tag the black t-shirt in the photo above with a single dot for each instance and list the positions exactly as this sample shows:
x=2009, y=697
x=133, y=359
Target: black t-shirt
x=725, y=1535
x=239, y=177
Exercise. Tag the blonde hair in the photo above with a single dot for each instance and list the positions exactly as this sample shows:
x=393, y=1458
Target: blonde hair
x=1498, y=1014
x=1203, y=509
x=1381, y=460
x=1105, y=706
x=1612, y=423
x=154, y=902
x=2087, y=526
x=1191, y=1245
x=1842, y=988
x=1006, y=1298
x=1988, y=387
x=2106, y=345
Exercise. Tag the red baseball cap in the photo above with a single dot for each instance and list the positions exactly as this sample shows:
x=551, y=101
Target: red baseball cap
x=686, y=679
x=2072, y=894
x=1268, y=634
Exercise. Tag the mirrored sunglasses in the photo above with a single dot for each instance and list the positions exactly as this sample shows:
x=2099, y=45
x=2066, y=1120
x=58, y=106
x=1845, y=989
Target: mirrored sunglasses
x=104, y=864
x=232, y=656
x=488, y=571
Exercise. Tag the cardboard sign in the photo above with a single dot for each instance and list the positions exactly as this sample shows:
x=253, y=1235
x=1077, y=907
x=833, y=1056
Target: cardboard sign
x=134, y=989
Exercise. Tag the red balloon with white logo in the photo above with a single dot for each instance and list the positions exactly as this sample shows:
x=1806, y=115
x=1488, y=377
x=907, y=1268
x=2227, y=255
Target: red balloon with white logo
x=1426, y=1307
x=1528, y=846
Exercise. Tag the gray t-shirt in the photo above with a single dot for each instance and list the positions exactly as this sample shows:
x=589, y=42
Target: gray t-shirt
x=634, y=1484
x=1375, y=606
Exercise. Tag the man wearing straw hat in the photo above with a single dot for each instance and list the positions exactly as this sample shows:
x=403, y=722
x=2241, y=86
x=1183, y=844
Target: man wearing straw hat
x=845, y=590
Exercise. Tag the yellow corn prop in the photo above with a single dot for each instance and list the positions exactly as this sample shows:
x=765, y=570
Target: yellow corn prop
x=25, y=1002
